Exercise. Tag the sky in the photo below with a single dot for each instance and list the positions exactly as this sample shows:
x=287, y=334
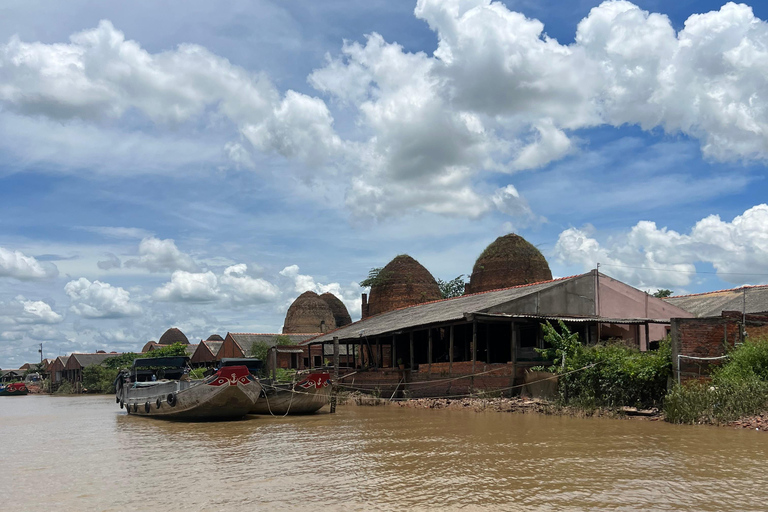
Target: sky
x=199, y=165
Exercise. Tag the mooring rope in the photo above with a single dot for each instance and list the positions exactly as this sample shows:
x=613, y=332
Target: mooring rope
x=290, y=402
x=473, y=395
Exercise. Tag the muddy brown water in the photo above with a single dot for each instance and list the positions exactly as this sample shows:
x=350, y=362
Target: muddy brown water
x=84, y=453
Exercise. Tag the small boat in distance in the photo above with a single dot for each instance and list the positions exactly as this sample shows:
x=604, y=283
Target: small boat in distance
x=229, y=393
x=14, y=389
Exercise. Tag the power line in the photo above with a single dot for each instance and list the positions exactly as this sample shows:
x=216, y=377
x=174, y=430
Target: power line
x=687, y=271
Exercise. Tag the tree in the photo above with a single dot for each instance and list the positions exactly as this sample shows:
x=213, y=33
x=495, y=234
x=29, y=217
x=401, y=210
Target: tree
x=125, y=360
x=453, y=288
x=375, y=277
x=663, y=292
x=260, y=350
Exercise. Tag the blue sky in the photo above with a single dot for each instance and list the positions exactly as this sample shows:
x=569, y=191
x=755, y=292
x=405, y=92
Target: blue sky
x=182, y=164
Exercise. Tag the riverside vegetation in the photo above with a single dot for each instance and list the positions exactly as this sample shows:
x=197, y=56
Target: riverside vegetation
x=738, y=389
x=101, y=378
x=606, y=375
x=612, y=375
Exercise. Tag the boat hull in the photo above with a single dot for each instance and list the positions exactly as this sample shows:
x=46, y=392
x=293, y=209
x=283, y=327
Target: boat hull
x=305, y=397
x=14, y=389
x=224, y=395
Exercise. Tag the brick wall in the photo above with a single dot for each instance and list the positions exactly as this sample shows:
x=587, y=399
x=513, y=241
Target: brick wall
x=710, y=337
x=437, y=381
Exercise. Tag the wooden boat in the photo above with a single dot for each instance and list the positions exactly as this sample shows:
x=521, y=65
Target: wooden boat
x=227, y=394
x=14, y=389
x=307, y=395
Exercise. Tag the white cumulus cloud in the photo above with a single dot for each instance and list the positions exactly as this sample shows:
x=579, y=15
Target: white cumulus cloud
x=189, y=287
x=243, y=288
x=497, y=96
x=18, y=265
x=158, y=255
x=100, y=300
x=649, y=256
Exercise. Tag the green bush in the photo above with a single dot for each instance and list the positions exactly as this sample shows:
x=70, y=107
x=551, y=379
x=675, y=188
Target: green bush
x=66, y=388
x=738, y=389
x=606, y=375
x=99, y=379
x=197, y=373
x=705, y=402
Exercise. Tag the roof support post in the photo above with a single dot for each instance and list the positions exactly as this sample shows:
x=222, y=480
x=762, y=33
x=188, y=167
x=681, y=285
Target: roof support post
x=513, y=353
x=647, y=337
x=394, y=351
x=474, y=344
x=429, y=350
x=411, y=343
x=450, y=351
x=488, y=343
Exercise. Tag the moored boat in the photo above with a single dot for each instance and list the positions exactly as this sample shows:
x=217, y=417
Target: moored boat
x=13, y=389
x=307, y=395
x=227, y=394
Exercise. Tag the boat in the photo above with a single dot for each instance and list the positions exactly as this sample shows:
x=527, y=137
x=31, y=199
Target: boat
x=307, y=394
x=229, y=393
x=14, y=389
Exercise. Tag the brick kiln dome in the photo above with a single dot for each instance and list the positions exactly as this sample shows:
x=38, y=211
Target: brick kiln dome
x=402, y=282
x=215, y=337
x=171, y=336
x=147, y=346
x=309, y=314
x=339, y=310
x=508, y=261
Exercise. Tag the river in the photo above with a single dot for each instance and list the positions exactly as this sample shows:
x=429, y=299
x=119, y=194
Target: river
x=84, y=453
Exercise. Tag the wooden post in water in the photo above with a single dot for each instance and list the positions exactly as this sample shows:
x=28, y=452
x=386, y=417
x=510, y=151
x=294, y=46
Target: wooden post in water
x=273, y=362
x=450, y=352
x=335, y=373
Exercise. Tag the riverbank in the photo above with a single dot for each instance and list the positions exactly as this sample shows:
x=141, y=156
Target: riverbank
x=509, y=405
x=544, y=407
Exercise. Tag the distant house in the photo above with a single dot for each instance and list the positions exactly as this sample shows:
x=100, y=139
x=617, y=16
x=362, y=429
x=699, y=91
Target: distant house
x=56, y=369
x=205, y=353
x=73, y=370
x=289, y=355
x=12, y=375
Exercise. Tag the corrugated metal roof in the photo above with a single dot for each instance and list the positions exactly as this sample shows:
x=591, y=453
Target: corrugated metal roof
x=440, y=311
x=246, y=339
x=714, y=303
x=89, y=359
x=578, y=319
x=288, y=350
x=213, y=346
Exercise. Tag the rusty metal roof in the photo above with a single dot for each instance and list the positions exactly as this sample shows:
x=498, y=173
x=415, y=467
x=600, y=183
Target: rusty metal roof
x=714, y=303
x=440, y=311
x=571, y=319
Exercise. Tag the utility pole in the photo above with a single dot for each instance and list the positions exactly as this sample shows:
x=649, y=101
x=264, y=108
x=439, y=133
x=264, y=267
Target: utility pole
x=41, y=352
